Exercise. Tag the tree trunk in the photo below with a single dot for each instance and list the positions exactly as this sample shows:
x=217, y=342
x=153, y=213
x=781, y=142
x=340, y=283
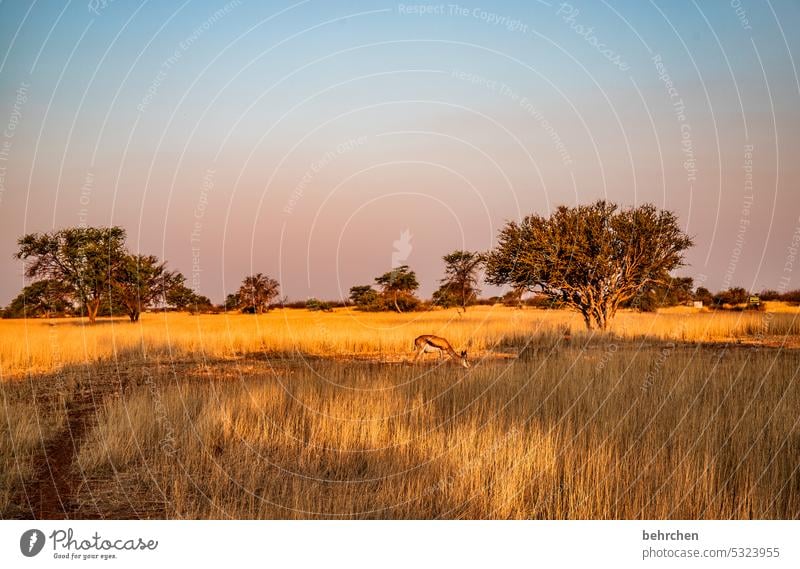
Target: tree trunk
x=92, y=308
x=396, y=306
x=587, y=319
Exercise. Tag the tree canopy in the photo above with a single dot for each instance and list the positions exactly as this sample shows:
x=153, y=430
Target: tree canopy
x=140, y=281
x=460, y=284
x=364, y=297
x=592, y=257
x=257, y=292
x=83, y=258
x=48, y=297
x=86, y=269
x=399, y=285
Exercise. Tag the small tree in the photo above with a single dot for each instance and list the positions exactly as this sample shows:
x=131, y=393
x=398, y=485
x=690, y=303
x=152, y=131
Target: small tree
x=141, y=281
x=398, y=286
x=41, y=298
x=674, y=292
x=232, y=302
x=592, y=258
x=256, y=293
x=792, y=296
x=732, y=296
x=769, y=294
x=461, y=277
x=363, y=295
x=181, y=297
x=445, y=297
x=85, y=259
x=704, y=295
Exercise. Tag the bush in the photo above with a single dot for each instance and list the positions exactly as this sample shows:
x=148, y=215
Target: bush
x=732, y=297
x=315, y=305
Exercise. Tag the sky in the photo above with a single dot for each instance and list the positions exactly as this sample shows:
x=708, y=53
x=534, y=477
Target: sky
x=323, y=143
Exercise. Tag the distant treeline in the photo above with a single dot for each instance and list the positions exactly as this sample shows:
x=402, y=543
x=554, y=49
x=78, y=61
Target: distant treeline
x=594, y=259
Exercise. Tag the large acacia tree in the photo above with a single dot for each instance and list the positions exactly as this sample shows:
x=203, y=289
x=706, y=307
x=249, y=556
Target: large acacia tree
x=590, y=257
x=85, y=259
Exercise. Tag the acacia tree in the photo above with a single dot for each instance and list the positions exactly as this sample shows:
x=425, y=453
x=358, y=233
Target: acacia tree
x=398, y=286
x=141, y=281
x=364, y=297
x=232, y=301
x=181, y=297
x=461, y=278
x=256, y=293
x=83, y=258
x=592, y=257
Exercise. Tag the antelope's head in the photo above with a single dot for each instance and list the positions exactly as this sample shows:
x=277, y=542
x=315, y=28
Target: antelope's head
x=463, y=360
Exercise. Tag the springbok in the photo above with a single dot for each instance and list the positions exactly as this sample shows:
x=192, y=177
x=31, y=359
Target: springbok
x=428, y=342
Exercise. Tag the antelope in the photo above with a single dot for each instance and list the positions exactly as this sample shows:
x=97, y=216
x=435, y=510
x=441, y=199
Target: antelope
x=428, y=342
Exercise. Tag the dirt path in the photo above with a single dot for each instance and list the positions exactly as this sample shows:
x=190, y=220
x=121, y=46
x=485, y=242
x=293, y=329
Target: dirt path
x=50, y=494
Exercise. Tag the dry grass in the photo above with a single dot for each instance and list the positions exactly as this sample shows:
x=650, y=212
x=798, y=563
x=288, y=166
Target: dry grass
x=29, y=417
x=605, y=432
x=42, y=346
x=296, y=414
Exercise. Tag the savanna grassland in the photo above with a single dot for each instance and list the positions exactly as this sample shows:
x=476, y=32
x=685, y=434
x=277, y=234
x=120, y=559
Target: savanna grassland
x=297, y=414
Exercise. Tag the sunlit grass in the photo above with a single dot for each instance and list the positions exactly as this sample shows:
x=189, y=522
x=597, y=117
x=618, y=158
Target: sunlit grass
x=576, y=433
x=296, y=414
x=40, y=345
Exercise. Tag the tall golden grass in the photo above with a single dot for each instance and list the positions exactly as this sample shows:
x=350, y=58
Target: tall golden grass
x=28, y=420
x=583, y=432
x=297, y=414
x=41, y=346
